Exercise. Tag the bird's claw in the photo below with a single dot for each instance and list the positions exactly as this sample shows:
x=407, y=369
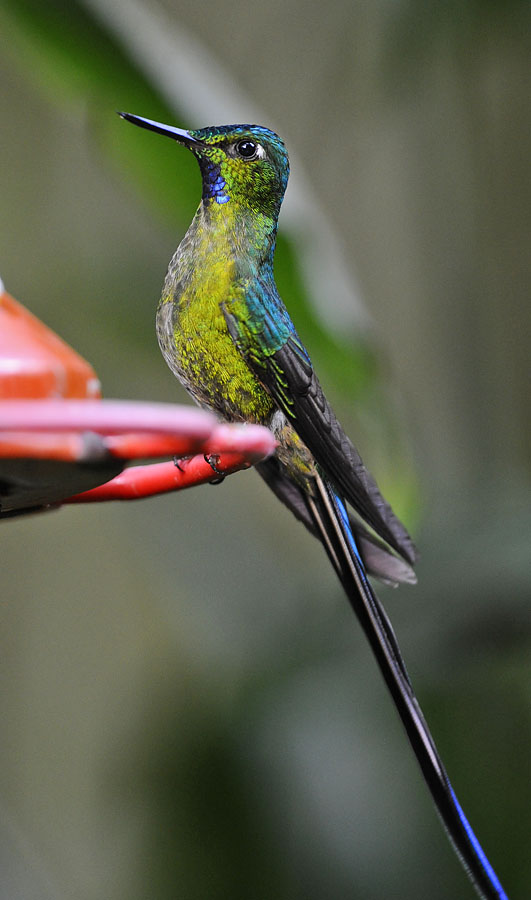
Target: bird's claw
x=179, y=460
x=212, y=459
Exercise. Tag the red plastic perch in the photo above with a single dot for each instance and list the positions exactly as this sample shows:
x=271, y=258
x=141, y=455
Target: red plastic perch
x=51, y=414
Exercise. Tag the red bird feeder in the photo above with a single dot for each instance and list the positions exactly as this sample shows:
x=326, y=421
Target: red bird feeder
x=60, y=442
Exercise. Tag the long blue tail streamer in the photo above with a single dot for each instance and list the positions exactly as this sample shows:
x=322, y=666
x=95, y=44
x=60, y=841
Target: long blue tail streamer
x=347, y=561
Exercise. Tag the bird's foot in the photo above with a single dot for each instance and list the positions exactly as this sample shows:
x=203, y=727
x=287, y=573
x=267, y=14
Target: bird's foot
x=178, y=460
x=213, y=459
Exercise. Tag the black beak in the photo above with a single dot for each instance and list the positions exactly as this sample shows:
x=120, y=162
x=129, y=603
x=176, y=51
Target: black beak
x=178, y=134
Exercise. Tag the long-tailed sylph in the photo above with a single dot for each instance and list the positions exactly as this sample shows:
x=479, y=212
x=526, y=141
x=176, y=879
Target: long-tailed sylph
x=225, y=332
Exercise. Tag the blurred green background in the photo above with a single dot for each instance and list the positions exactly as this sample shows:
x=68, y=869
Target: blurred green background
x=188, y=708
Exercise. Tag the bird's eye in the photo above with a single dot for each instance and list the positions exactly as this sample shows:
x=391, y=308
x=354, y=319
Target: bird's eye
x=248, y=149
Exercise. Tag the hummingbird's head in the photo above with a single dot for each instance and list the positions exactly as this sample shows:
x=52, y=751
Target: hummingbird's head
x=243, y=164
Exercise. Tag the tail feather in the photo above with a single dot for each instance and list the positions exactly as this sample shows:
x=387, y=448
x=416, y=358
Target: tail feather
x=331, y=522
x=378, y=559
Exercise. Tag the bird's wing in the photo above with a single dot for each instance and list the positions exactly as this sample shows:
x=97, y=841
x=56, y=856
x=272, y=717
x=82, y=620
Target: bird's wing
x=284, y=368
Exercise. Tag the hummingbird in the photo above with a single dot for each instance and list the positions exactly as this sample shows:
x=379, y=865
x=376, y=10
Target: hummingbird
x=226, y=334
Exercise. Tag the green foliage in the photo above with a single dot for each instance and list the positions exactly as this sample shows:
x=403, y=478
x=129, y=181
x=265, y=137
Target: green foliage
x=82, y=67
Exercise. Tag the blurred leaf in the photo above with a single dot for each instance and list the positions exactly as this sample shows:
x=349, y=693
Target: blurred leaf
x=62, y=49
